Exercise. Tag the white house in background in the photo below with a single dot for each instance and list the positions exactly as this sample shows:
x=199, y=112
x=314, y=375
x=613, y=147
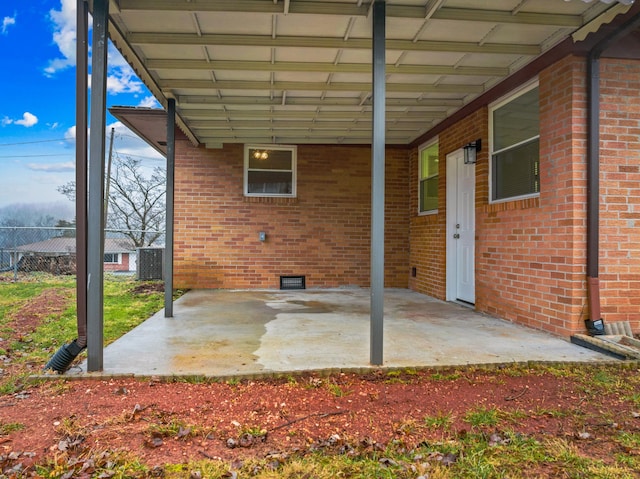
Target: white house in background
x=119, y=254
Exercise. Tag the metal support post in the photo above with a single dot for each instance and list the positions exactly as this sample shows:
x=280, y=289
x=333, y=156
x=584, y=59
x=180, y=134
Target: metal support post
x=82, y=29
x=377, y=184
x=168, y=248
x=95, y=223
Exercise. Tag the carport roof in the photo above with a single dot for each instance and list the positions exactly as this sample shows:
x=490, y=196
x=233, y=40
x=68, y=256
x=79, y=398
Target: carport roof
x=299, y=71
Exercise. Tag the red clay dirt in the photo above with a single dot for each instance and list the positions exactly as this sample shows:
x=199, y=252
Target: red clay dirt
x=174, y=422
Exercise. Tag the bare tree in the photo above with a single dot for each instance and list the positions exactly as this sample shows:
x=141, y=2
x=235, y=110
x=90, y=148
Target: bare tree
x=136, y=202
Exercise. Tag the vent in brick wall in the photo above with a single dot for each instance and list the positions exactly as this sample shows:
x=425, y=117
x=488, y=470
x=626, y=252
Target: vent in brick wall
x=292, y=282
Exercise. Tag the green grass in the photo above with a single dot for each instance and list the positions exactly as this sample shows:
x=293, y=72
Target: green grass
x=124, y=308
x=8, y=428
x=501, y=455
x=439, y=421
x=482, y=417
x=336, y=390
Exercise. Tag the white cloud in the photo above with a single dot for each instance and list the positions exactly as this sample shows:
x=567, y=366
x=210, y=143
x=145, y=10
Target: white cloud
x=149, y=102
x=70, y=134
x=123, y=80
x=27, y=120
x=64, y=35
x=6, y=22
x=125, y=142
x=53, y=167
x=115, y=58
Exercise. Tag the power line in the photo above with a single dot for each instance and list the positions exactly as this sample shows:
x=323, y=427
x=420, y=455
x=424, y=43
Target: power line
x=34, y=156
x=32, y=142
x=124, y=135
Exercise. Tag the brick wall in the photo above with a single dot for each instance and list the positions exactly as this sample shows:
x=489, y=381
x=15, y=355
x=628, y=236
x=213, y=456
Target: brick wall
x=531, y=254
x=324, y=233
x=620, y=191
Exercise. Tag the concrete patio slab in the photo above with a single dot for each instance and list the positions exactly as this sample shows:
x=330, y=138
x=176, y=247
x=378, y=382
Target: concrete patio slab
x=220, y=333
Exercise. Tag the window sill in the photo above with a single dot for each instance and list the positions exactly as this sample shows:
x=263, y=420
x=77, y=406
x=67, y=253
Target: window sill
x=428, y=213
x=271, y=200
x=514, y=204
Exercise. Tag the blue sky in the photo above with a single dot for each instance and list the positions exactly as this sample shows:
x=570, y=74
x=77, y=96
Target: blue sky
x=37, y=109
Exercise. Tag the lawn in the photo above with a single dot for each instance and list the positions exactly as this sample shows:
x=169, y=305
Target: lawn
x=38, y=315
x=511, y=421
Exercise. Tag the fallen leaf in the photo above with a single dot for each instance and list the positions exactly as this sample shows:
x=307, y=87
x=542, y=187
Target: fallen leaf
x=449, y=459
x=155, y=441
x=495, y=439
x=246, y=440
x=157, y=471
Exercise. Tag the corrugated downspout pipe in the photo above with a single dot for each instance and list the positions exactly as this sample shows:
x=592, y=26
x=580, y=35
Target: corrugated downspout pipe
x=63, y=358
x=595, y=324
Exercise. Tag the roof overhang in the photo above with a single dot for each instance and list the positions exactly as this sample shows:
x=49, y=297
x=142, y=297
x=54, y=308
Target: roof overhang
x=299, y=71
x=150, y=124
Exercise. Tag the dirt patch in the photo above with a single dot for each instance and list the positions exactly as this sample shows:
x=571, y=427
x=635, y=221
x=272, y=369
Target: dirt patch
x=147, y=288
x=176, y=422
x=25, y=321
x=28, y=318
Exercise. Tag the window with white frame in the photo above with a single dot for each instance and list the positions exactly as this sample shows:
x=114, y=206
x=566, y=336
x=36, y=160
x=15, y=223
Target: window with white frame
x=270, y=170
x=112, y=258
x=515, y=155
x=428, y=178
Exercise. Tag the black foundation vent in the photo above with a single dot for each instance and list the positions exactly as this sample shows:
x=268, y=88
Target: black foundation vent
x=292, y=282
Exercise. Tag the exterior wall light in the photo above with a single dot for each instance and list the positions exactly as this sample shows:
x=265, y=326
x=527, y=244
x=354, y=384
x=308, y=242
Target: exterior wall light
x=471, y=151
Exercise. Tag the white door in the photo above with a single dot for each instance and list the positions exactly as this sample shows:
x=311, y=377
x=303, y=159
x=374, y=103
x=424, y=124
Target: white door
x=461, y=223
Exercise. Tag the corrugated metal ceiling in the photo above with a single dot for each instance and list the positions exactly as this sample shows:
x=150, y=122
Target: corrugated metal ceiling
x=299, y=71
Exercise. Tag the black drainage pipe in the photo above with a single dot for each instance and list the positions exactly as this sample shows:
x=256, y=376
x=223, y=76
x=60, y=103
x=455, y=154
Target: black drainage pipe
x=64, y=356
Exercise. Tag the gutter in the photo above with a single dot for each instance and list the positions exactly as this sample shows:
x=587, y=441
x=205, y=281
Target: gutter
x=595, y=324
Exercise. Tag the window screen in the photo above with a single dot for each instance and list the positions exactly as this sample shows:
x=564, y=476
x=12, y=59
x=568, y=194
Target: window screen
x=515, y=161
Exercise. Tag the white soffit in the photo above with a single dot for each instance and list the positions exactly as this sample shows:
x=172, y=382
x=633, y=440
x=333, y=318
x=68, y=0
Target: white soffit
x=302, y=68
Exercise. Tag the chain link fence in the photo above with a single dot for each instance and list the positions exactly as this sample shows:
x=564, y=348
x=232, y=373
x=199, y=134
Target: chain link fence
x=25, y=250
